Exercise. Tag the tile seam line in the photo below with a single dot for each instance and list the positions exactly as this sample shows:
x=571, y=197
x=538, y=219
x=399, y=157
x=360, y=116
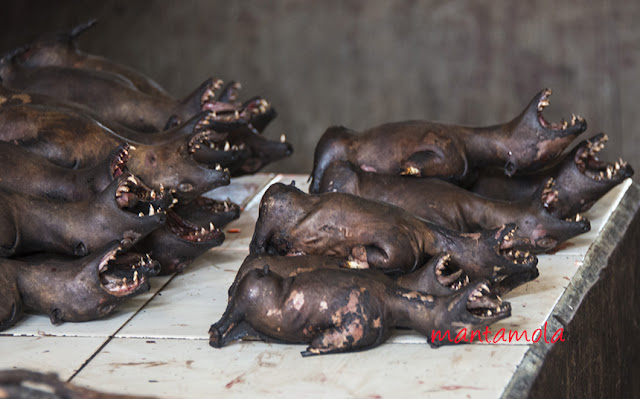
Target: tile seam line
x=110, y=337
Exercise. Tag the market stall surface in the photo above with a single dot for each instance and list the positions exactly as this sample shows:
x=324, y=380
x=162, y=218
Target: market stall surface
x=157, y=343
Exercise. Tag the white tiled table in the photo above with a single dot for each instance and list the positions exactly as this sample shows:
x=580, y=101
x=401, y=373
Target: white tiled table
x=157, y=344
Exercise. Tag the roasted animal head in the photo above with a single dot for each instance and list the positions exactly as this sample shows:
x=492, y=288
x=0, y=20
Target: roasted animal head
x=170, y=165
x=88, y=288
x=533, y=142
x=582, y=178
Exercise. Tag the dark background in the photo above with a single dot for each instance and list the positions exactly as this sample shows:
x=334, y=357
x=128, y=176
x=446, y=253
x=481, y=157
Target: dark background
x=362, y=63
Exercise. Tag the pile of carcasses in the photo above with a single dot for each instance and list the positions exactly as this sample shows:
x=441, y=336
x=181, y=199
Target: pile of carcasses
x=102, y=176
x=416, y=225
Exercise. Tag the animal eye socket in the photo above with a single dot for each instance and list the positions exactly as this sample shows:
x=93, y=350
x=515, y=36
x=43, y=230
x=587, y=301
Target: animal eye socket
x=545, y=242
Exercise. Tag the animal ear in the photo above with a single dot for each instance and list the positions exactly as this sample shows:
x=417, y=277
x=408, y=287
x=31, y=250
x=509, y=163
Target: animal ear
x=55, y=315
x=79, y=249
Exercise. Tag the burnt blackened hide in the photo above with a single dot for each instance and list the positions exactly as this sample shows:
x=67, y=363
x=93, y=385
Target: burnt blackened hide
x=345, y=310
x=427, y=149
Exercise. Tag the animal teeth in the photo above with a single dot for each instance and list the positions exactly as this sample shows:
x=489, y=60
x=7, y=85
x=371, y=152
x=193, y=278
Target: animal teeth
x=211, y=226
x=174, y=201
x=151, y=210
x=135, y=277
x=283, y=138
x=543, y=103
x=411, y=170
x=227, y=146
x=203, y=231
x=141, y=214
x=218, y=167
x=578, y=217
x=234, y=148
x=489, y=312
x=132, y=147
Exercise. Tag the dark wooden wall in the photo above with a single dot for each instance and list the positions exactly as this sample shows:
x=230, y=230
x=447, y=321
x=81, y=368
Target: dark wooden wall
x=361, y=63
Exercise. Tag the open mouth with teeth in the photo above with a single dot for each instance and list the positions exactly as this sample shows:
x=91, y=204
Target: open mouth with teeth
x=222, y=111
x=226, y=109
x=448, y=277
x=588, y=164
x=133, y=196
x=118, y=165
x=550, y=199
x=126, y=273
x=507, y=249
x=484, y=304
x=213, y=148
x=543, y=102
x=191, y=232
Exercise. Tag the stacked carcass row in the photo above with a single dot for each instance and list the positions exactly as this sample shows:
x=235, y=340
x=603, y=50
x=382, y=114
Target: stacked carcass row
x=392, y=235
x=103, y=174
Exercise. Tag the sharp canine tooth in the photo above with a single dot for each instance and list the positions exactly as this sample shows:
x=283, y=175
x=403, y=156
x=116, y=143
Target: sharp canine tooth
x=227, y=146
x=132, y=179
x=151, y=210
x=578, y=217
x=283, y=138
x=135, y=276
x=211, y=226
